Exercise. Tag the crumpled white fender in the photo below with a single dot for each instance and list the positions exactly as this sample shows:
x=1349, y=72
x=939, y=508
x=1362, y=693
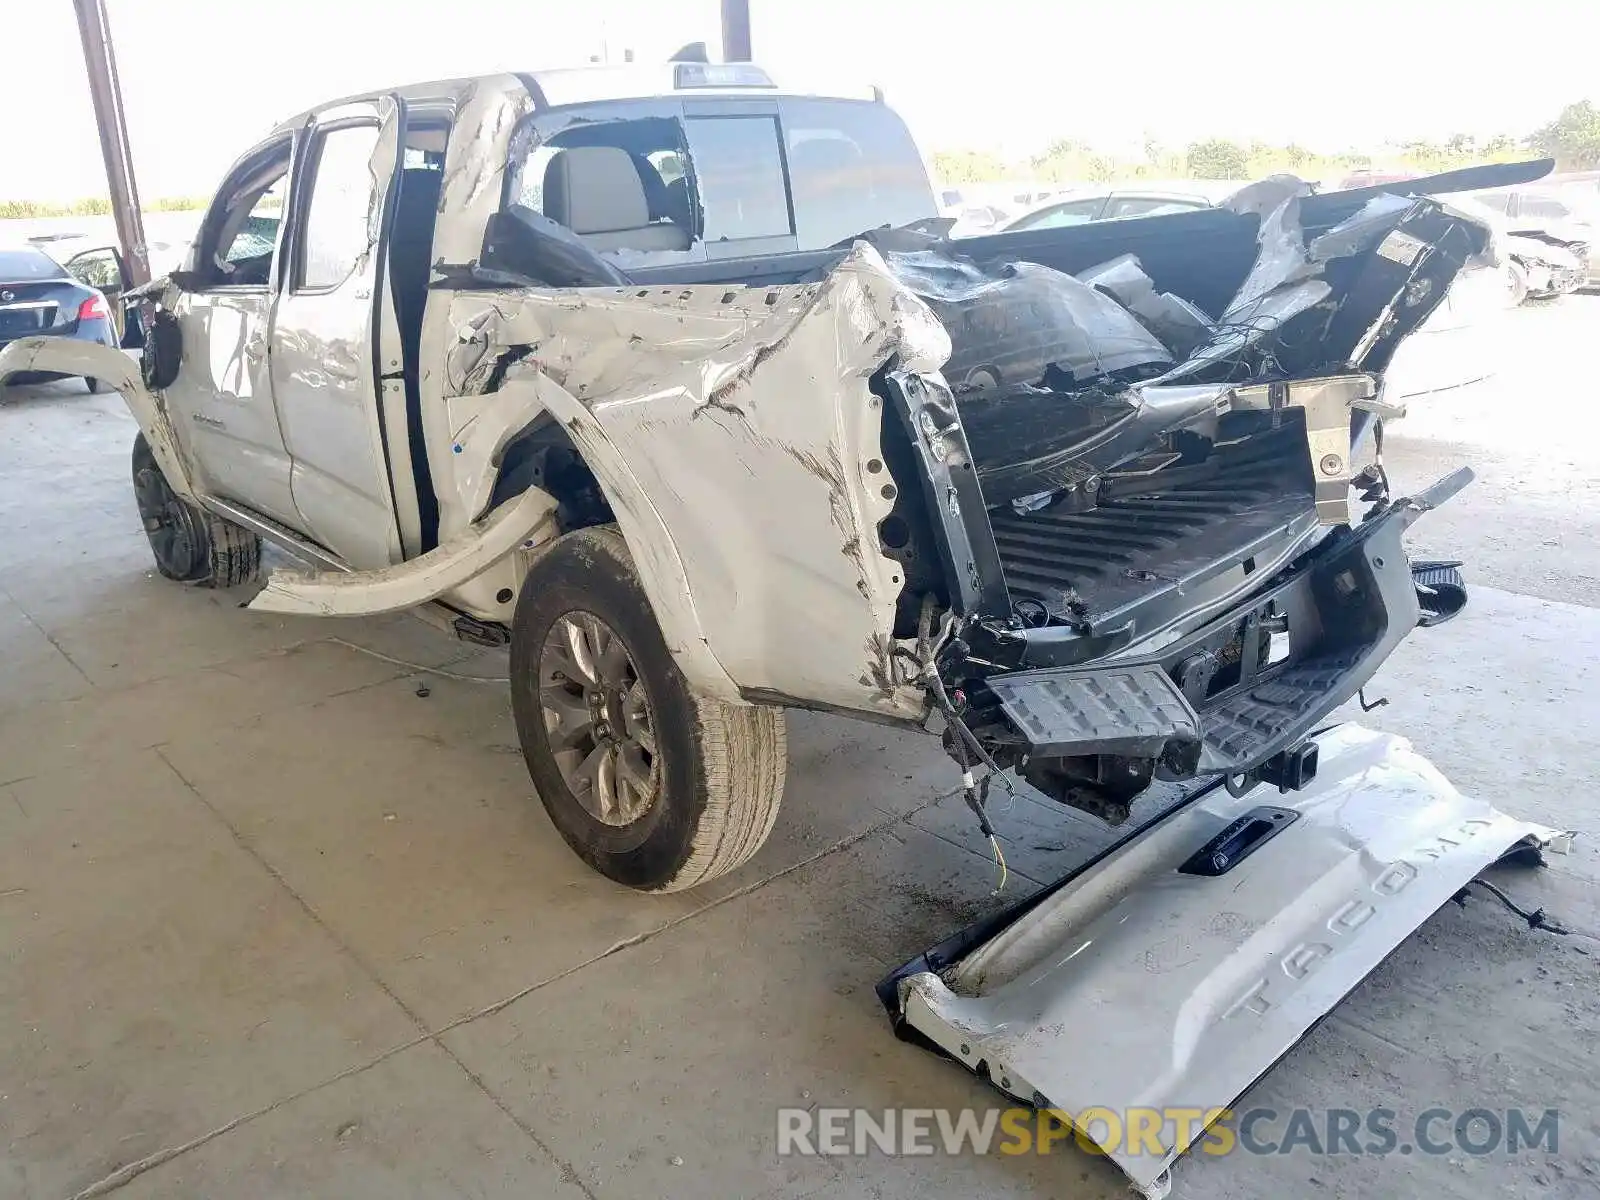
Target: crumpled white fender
x=737, y=439
x=67, y=356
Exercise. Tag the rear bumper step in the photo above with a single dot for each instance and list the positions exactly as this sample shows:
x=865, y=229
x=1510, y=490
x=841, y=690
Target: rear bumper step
x=1339, y=617
x=1173, y=971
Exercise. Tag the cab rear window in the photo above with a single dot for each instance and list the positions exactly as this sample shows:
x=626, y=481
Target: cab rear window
x=738, y=172
x=699, y=182
x=852, y=167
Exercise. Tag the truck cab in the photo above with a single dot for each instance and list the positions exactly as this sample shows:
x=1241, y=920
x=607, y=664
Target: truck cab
x=301, y=305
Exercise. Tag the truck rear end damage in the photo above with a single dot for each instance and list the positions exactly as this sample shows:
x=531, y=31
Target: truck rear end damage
x=1173, y=576
x=1089, y=492
x=1167, y=574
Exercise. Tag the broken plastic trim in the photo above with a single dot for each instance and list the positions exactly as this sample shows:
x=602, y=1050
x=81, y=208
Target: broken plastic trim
x=952, y=494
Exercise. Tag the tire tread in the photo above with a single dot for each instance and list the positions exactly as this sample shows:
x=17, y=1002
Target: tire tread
x=742, y=750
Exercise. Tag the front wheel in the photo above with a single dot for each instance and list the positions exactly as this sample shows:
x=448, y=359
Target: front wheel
x=190, y=544
x=651, y=784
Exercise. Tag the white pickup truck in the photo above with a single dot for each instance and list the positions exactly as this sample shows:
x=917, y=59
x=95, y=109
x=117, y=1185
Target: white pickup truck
x=668, y=378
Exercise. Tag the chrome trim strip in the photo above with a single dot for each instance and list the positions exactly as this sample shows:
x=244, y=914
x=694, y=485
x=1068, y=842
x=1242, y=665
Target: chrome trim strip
x=292, y=543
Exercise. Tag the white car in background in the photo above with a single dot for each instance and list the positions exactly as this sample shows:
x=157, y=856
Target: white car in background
x=1565, y=219
x=1542, y=265
x=1079, y=208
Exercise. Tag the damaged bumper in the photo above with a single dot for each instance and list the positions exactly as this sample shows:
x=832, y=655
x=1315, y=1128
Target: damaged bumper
x=1244, y=688
x=1176, y=969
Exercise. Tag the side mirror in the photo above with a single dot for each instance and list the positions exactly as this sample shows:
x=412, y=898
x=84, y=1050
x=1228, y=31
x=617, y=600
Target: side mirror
x=100, y=268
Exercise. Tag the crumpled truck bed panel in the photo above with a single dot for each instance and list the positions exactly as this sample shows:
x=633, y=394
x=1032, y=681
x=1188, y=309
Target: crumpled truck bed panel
x=739, y=425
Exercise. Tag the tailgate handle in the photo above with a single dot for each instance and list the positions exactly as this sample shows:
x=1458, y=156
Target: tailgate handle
x=1242, y=838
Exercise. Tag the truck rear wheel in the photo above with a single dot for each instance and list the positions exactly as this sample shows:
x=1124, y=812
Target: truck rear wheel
x=651, y=784
x=190, y=544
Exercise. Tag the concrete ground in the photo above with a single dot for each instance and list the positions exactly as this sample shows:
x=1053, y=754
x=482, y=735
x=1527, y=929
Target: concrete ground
x=275, y=924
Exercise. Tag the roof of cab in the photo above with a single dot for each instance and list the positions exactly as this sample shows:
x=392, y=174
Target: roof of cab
x=635, y=81
x=578, y=85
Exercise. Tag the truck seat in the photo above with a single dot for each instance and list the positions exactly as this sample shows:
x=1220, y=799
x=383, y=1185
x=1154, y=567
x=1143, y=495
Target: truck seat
x=595, y=191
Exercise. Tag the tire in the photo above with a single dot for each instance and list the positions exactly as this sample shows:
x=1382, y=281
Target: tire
x=190, y=545
x=716, y=771
x=93, y=384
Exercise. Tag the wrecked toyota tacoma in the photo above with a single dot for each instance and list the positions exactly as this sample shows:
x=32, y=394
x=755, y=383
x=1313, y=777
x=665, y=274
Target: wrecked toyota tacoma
x=669, y=379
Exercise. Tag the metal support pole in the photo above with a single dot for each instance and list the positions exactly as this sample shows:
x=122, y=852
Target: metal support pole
x=735, y=30
x=95, y=31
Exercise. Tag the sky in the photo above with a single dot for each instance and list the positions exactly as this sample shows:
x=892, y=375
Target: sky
x=203, y=79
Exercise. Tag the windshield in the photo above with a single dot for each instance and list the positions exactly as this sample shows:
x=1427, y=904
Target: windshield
x=28, y=264
x=1571, y=204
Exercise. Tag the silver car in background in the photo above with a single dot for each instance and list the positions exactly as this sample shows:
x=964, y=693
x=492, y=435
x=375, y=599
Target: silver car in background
x=1565, y=216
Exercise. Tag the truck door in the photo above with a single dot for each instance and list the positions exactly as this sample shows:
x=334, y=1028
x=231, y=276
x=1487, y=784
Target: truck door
x=221, y=400
x=325, y=332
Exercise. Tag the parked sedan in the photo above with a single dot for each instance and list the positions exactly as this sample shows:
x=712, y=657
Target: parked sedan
x=1105, y=206
x=1543, y=266
x=40, y=298
x=1566, y=218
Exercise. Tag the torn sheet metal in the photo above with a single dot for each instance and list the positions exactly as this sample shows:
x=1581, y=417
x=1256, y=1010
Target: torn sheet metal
x=487, y=114
x=1017, y=322
x=1175, y=971
x=1040, y=427
x=68, y=356
x=1288, y=276
x=1181, y=326
x=455, y=561
x=736, y=437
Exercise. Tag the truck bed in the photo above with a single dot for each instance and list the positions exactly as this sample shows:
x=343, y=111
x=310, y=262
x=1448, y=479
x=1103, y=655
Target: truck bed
x=1129, y=551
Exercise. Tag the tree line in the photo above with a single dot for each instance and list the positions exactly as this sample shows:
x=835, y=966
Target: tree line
x=1572, y=139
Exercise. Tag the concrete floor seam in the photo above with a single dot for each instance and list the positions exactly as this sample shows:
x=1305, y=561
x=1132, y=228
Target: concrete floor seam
x=949, y=841
x=131, y=1171
x=49, y=637
x=128, y=1172
x=367, y=969
x=641, y=938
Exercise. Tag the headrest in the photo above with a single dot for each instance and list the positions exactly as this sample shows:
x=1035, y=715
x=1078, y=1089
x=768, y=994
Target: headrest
x=595, y=189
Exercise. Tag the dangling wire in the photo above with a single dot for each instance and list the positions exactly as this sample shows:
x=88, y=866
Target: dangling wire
x=964, y=744
x=999, y=859
x=1536, y=919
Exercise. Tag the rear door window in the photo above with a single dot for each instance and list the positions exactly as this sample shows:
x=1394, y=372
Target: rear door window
x=738, y=165
x=240, y=234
